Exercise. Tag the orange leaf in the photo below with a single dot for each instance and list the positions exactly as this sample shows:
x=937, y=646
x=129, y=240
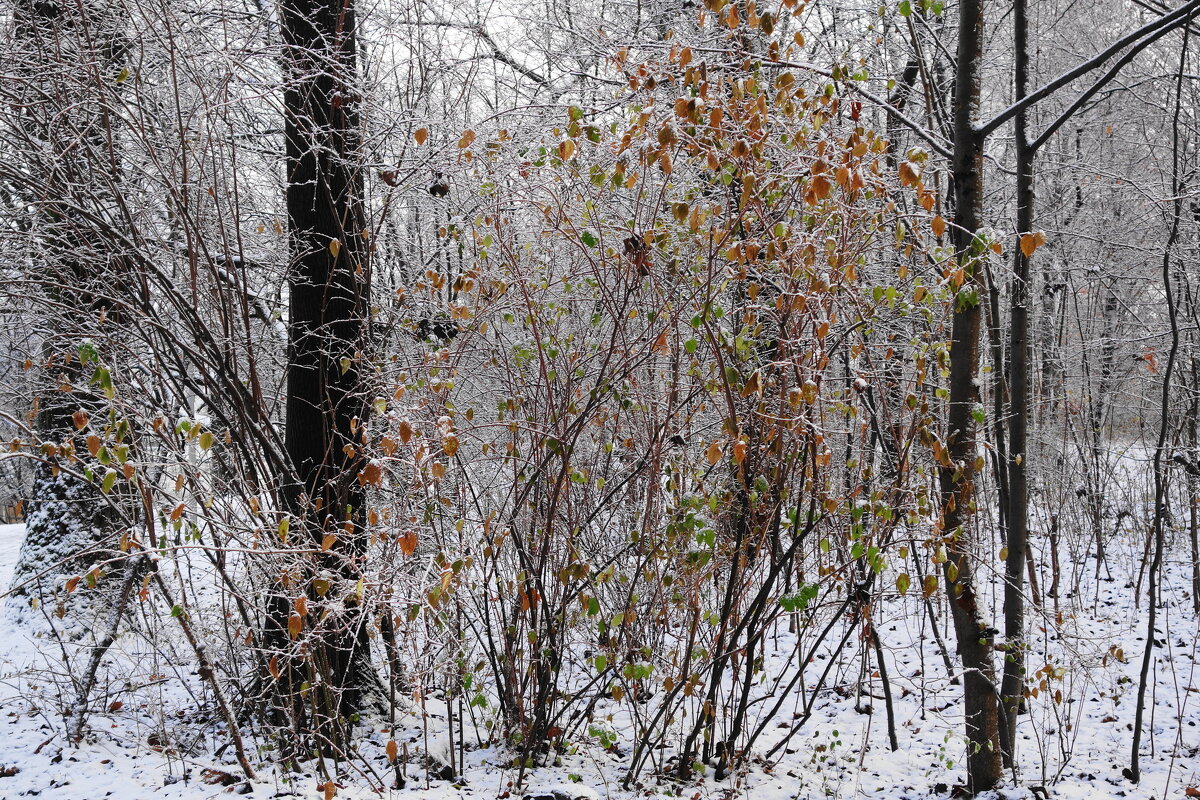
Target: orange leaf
x=391, y=750
x=328, y=541
x=739, y=451
x=466, y=140
x=408, y=542
x=273, y=667
x=1192, y=791
x=93, y=444
x=421, y=134
x=406, y=431
x=450, y=445
x=713, y=453
x=295, y=624
x=938, y=225
x=371, y=474
x=1029, y=244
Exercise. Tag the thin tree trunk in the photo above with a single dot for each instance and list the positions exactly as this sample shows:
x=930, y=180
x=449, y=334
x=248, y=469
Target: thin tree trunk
x=1012, y=685
x=957, y=474
x=1160, y=460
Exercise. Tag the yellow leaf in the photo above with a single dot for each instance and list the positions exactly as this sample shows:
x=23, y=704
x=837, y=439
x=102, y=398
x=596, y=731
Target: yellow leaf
x=450, y=445
x=328, y=541
x=713, y=453
x=335, y=247
x=421, y=135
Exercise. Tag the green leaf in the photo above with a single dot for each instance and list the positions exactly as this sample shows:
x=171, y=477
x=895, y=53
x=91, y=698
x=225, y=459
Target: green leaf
x=587, y=238
x=905, y=8
x=601, y=663
x=110, y=480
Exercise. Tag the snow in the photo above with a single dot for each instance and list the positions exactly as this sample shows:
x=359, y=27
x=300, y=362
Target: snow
x=1075, y=749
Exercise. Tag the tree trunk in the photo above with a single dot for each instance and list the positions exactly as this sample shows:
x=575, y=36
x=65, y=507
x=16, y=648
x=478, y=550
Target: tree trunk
x=69, y=522
x=329, y=285
x=957, y=477
x=1012, y=685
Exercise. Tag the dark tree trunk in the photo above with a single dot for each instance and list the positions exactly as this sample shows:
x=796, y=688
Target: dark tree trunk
x=1012, y=685
x=329, y=285
x=957, y=478
x=70, y=525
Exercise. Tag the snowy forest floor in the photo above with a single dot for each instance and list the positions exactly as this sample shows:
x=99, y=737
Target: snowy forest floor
x=1075, y=748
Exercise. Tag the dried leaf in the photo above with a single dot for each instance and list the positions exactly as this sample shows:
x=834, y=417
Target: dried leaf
x=421, y=135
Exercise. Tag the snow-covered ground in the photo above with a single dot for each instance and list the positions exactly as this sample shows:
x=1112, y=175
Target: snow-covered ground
x=1074, y=749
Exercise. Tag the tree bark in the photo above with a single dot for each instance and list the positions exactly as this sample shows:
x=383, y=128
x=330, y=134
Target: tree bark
x=329, y=285
x=1013, y=682
x=957, y=476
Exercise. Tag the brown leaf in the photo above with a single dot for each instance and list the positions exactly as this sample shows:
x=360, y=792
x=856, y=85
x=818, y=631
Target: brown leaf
x=371, y=474
x=465, y=141
x=391, y=750
x=80, y=418
x=421, y=134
